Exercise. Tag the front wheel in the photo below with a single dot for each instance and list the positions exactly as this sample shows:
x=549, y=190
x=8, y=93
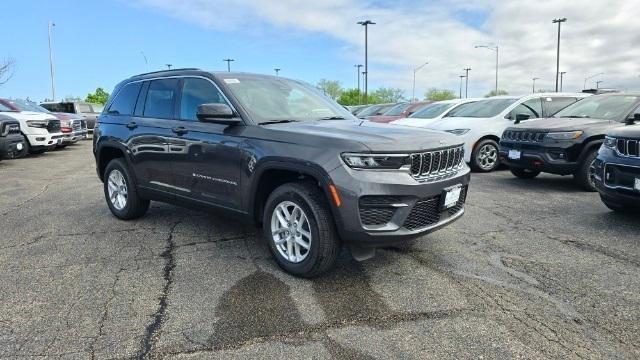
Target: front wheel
x=524, y=173
x=583, y=177
x=300, y=231
x=120, y=192
x=484, y=157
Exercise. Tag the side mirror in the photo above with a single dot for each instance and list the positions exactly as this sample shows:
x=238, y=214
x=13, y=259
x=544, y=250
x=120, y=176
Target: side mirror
x=217, y=113
x=633, y=120
x=522, y=117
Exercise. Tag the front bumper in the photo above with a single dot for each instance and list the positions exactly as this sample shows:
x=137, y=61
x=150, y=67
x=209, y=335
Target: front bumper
x=73, y=137
x=386, y=208
x=12, y=147
x=560, y=159
x=615, y=177
x=45, y=140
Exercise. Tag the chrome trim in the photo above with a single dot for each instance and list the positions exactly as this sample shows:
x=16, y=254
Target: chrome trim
x=442, y=163
x=604, y=178
x=626, y=148
x=169, y=186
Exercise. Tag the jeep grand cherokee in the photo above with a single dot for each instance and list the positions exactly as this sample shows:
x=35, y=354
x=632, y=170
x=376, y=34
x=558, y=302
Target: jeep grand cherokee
x=280, y=153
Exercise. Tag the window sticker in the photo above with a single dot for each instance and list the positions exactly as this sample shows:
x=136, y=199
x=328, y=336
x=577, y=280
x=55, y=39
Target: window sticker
x=232, y=81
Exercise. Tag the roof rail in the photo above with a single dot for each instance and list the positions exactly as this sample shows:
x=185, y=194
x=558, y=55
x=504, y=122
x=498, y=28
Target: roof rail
x=166, y=70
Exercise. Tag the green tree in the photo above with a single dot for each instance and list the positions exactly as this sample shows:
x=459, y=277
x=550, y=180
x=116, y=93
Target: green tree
x=350, y=97
x=331, y=88
x=98, y=97
x=386, y=95
x=496, y=93
x=434, y=94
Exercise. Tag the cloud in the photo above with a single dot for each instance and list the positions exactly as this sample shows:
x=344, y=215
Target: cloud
x=599, y=36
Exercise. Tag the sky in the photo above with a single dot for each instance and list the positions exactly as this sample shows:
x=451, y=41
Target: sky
x=99, y=43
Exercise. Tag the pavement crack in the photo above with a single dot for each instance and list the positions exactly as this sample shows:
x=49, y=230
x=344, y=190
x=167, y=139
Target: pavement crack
x=105, y=313
x=153, y=330
x=38, y=194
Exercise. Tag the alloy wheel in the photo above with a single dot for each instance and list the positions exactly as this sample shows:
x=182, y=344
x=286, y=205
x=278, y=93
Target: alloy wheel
x=117, y=188
x=291, y=231
x=487, y=157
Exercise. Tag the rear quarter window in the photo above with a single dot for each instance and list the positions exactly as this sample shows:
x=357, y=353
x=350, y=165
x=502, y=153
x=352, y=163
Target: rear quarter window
x=125, y=100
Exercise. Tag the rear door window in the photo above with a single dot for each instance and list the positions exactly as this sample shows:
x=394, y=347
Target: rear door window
x=554, y=104
x=125, y=100
x=161, y=99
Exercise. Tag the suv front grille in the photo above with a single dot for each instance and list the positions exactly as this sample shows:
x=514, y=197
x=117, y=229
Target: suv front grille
x=426, y=212
x=628, y=147
x=436, y=164
x=525, y=136
x=53, y=126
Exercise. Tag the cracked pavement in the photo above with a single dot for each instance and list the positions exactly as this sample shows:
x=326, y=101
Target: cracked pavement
x=535, y=269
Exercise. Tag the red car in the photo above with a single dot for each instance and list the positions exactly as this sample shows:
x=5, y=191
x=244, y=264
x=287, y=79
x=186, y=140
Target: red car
x=399, y=111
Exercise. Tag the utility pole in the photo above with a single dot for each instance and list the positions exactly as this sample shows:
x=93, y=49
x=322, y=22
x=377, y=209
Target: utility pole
x=413, y=94
x=561, y=76
x=559, y=22
x=366, y=24
x=598, y=84
x=277, y=70
x=492, y=48
x=461, y=76
x=51, y=66
x=584, y=86
x=228, y=64
x=533, y=89
x=358, y=66
x=466, y=80
x=169, y=66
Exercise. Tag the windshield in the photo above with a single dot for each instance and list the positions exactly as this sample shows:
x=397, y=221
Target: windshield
x=271, y=99
x=607, y=107
x=25, y=105
x=397, y=110
x=483, y=108
x=369, y=111
x=431, y=111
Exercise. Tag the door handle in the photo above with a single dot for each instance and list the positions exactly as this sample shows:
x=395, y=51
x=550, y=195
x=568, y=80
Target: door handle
x=132, y=125
x=180, y=130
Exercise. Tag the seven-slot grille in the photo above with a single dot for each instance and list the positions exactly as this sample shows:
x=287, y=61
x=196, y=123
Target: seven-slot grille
x=527, y=136
x=436, y=163
x=628, y=147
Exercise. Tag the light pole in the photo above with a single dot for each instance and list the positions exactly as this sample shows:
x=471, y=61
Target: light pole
x=169, y=66
x=533, y=90
x=277, y=70
x=145, y=59
x=413, y=94
x=492, y=48
x=366, y=24
x=598, y=84
x=584, y=86
x=358, y=66
x=51, y=66
x=461, y=77
x=561, y=76
x=466, y=81
x=559, y=22
x=228, y=64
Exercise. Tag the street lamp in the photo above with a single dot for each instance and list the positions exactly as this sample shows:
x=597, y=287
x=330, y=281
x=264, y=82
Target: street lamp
x=277, y=70
x=533, y=90
x=598, y=84
x=145, y=59
x=466, y=80
x=559, y=22
x=169, y=66
x=228, y=64
x=51, y=67
x=492, y=48
x=461, y=77
x=561, y=76
x=358, y=66
x=584, y=86
x=366, y=24
x=413, y=94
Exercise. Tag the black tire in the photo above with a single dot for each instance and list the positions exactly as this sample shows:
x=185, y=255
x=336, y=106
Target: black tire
x=618, y=207
x=29, y=149
x=477, y=164
x=135, y=206
x=582, y=177
x=524, y=173
x=325, y=244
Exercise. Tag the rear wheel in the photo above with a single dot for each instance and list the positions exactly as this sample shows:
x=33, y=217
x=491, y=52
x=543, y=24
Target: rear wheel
x=120, y=192
x=524, y=173
x=583, y=177
x=299, y=229
x=484, y=157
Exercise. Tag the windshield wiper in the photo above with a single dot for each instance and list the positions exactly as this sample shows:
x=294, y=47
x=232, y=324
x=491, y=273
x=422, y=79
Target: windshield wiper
x=333, y=118
x=278, y=121
x=576, y=117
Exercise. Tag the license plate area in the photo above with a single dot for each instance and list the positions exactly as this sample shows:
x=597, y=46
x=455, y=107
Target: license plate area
x=515, y=154
x=451, y=196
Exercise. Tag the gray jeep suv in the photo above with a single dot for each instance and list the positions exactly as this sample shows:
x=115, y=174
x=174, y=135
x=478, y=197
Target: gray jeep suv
x=279, y=153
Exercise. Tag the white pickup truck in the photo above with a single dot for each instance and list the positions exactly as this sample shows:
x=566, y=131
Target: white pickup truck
x=41, y=131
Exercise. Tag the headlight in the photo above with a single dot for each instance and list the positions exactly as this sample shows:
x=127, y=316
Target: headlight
x=37, y=123
x=610, y=142
x=458, y=131
x=375, y=161
x=569, y=135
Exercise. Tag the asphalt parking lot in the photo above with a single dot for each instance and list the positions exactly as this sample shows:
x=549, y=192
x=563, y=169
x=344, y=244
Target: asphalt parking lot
x=535, y=269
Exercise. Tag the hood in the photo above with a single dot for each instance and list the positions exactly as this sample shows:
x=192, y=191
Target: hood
x=450, y=123
x=629, y=131
x=383, y=118
x=374, y=136
x=414, y=122
x=28, y=115
x=561, y=124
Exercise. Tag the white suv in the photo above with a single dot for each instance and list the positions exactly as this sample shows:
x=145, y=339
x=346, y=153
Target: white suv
x=481, y=123
x=41, y=131
x=434, y=112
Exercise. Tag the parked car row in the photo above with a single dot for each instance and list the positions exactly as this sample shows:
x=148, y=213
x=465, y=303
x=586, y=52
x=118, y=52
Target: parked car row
x=39, y=128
